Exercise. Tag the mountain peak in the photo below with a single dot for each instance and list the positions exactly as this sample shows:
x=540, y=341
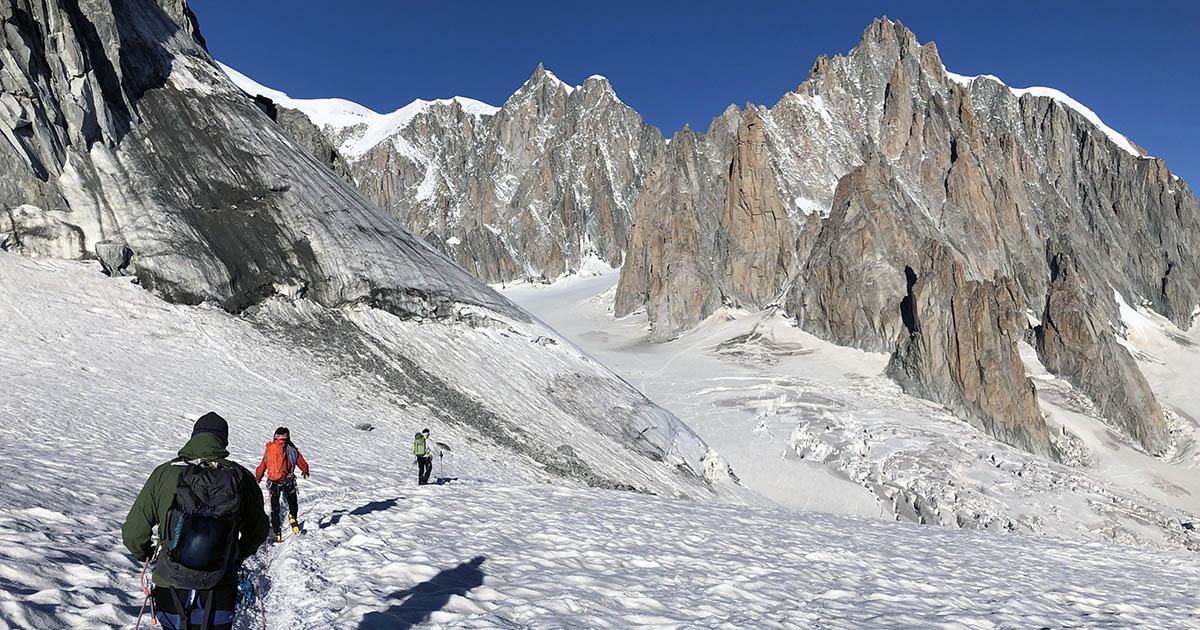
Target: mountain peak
x=882, y=29
x=542, y=76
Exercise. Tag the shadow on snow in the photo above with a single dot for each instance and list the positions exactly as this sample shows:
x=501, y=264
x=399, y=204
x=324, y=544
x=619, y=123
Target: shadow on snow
x=374, y=506
x=426, y=597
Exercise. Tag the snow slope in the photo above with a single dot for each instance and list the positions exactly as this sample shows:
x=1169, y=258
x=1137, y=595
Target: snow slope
x=815, y=426
x=102, y=382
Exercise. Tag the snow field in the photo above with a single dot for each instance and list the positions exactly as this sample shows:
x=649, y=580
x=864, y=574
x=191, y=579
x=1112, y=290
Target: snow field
x=103, y=381
x=815, y=426
x=481, y=555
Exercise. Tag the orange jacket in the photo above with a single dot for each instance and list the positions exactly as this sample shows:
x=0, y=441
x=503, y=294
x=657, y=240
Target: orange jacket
x=294, y=458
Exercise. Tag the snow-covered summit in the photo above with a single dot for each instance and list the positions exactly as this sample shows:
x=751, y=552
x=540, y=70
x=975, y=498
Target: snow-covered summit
x=1118, y=138
x=336, y=115
x=337, y=112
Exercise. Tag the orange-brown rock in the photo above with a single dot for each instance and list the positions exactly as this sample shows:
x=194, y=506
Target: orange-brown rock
x=959, y=348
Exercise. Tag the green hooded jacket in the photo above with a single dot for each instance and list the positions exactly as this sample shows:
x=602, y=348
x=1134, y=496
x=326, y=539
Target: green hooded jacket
x=154, y=501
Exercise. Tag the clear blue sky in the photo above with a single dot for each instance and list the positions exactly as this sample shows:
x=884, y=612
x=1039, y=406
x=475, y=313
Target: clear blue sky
x=1136, y=64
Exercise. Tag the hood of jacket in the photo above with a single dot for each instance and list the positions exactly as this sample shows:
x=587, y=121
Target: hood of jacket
x=204, y=446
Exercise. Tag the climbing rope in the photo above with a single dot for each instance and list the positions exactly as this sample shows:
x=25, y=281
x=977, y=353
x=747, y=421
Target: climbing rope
x=145, y=600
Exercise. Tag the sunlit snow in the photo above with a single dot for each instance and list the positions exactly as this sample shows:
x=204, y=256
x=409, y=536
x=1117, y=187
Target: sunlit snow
x=103, y=381
x=808, y=206
x=569, y=88
x=816, y=426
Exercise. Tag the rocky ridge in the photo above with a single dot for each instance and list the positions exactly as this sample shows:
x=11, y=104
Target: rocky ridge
x=960, y=349
x=526, y=190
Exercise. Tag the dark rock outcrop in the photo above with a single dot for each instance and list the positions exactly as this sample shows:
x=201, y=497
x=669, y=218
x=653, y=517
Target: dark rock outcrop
x=1076, y=342
x=299, y=128
x=114, y=257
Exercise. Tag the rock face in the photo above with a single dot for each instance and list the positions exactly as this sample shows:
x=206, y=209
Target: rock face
x=880, y=151
x=993, y=171
x=29, y=230
x=960, y=349
x=869, y=239
x=114, y=257
x=300, y=129
x=1076, y=342
x=96, y=152
x=728, y=240
x=691, y=287
x=529, y=189
x=753, y=232
x=122, y=136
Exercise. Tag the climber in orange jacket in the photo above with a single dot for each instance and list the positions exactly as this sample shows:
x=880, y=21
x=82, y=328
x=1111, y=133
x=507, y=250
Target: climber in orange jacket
x=281, y=458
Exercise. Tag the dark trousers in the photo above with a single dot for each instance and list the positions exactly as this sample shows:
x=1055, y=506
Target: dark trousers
x=179, y=608
x=288, y=489
x=424, y=468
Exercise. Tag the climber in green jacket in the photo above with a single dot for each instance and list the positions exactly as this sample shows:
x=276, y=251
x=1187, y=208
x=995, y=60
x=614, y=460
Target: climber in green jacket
x=198, y=555
x=424, y=457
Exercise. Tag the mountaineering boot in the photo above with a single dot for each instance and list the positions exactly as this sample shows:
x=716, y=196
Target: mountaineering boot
x=295, y=525
x=278, y=537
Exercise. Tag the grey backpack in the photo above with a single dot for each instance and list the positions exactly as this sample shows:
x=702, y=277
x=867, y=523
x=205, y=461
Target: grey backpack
x=202, y=525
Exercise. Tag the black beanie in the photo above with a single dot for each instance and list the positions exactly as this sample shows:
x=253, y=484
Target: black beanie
x=212, y=423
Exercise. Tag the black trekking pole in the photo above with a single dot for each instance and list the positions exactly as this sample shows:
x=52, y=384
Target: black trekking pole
x=410, y=468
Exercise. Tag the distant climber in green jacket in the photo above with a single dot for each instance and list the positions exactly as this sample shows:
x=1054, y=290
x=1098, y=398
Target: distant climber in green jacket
x=424, y=457
x=209, y=517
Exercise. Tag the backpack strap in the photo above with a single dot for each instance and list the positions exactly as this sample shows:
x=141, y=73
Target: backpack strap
x=184, y=612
